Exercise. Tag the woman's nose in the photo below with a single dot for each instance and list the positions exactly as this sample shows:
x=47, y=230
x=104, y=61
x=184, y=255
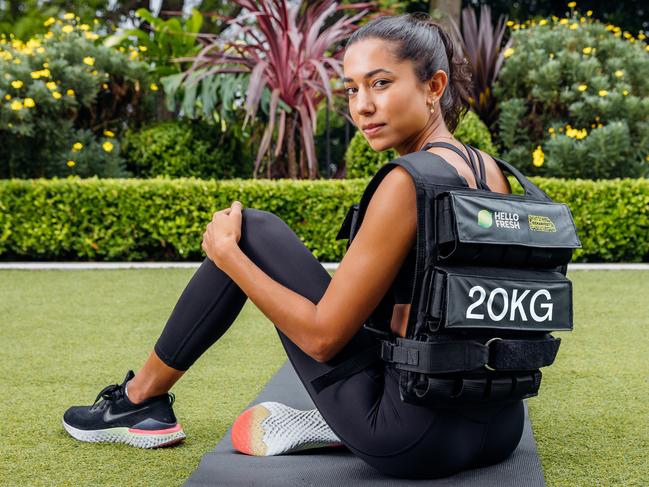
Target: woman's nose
x=364, y=102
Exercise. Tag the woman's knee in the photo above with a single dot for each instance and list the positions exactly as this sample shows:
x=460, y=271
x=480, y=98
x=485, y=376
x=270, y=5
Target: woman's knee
x=254, y=218
x=259, y=227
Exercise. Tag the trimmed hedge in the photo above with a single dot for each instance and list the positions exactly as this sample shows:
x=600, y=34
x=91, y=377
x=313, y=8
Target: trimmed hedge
x=164, y=219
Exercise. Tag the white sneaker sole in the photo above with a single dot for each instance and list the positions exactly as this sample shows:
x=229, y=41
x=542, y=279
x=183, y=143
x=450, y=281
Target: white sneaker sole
x=272, y=428
x=130, y=436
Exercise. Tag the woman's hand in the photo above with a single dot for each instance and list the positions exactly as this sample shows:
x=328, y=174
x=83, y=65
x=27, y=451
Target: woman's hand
x=222, y=233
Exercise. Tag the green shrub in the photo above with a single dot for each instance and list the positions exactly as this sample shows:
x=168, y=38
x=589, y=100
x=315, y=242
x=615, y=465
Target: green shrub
x=186, y=148
x=363, y=161
x=163, y=219
x=60, y=89
x=576, y=91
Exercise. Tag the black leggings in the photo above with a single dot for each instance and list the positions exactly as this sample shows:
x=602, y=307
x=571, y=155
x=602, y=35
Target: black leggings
x=364, y=410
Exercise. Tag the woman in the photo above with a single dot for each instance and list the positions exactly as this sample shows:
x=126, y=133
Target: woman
x=406, y=89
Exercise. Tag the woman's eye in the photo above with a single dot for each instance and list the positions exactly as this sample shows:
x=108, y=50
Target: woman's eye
x=382, y=81
x=347, y=91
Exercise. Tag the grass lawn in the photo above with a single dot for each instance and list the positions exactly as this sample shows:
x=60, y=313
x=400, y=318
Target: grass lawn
x=67, y=334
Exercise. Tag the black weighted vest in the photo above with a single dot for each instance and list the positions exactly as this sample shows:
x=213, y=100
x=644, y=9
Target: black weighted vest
x=489, y=287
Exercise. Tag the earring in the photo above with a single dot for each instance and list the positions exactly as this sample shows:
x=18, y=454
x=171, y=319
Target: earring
x=432, y=107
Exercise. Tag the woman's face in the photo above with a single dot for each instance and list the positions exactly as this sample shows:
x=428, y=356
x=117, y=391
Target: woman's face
x=384, y=90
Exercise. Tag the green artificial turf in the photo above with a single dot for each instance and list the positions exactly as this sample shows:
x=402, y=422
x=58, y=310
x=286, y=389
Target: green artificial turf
x=67, y=334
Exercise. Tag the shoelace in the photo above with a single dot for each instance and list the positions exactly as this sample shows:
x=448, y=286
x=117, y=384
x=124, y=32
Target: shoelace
x=109, y=393
x=114, y=391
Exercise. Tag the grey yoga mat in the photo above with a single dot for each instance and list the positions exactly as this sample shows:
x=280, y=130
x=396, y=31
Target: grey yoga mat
x=338, y=467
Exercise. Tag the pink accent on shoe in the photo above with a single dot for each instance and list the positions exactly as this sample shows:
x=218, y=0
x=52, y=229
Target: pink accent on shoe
x=156, y=432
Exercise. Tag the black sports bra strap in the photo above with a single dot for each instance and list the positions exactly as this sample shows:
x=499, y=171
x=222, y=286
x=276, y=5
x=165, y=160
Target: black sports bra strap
x=482, y=182
x=446, y=145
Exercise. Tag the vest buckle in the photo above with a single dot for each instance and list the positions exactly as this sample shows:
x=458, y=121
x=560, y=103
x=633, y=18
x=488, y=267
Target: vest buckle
x=489, y=342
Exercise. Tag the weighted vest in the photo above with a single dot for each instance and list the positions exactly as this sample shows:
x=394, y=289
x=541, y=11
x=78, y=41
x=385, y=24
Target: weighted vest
x=489, y=287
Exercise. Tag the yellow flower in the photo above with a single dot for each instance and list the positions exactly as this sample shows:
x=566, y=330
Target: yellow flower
x=646, y=157
x=582, y=87
x=71, y=163
x=56, y=95
x=77, y=146
x=89, y=60
x=17, y=84
x=49, y=35
x=29, y=103
x=84, y=27
x=94, y=72
x=646, y=48
x=587, y=50
x=508, y=52
x=572, y=4
x=107, y=146
x=67, y=29
x=563, y=21
x=108, y=133
x=153, y=87
x=70, y=92
x=17, y=60
x=143, y=48
x=589, y=13
x=92, y=36
x=49, y=21
x=51, y=85
x=543, y=21
x=603, y=92
x=16, y=105
x=68, y=16
x=510, y=23
x=538, y=157
x=7, y=97
x=625, y=92
x=104, y=86
x=619, y=73
x=574, y=26
x=551, y=130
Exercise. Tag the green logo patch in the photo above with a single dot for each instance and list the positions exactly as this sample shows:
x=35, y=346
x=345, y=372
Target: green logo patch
x=485, y=219
x=540, y=223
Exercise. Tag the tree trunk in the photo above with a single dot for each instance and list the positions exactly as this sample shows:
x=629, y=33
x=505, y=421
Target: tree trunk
x=292, y=164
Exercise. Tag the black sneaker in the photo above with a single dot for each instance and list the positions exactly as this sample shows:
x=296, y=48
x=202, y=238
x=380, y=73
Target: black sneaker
x=149, y=424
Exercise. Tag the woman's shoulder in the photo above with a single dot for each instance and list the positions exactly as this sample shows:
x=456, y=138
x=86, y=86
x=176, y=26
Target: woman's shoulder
x=496, y=179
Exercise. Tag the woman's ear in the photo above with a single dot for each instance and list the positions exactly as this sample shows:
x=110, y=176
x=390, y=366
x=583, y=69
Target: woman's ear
x=437, y=84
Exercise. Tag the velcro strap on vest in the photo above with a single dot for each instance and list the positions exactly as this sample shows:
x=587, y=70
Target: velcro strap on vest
x=461, y=356
x=523, y=354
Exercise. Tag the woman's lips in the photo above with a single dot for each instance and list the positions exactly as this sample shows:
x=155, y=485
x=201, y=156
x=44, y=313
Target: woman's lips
x=373, y=130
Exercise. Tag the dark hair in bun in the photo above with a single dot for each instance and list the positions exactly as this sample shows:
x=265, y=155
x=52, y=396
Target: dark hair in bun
x=430, y=48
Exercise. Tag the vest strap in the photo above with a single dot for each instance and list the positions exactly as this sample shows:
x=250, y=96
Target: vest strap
x=349, y=367
x=462, y=356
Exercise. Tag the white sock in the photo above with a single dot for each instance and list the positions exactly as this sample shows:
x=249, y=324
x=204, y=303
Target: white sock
x=126, y=390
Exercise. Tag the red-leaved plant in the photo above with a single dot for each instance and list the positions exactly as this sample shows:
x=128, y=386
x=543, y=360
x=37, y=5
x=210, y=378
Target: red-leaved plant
x=482, y=47
x=284, y=47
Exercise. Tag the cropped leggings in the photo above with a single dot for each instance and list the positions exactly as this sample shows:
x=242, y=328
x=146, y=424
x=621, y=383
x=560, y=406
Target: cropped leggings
x=364, y=410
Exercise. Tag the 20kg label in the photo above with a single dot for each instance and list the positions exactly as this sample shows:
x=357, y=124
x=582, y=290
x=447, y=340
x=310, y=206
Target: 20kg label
x=508, y=303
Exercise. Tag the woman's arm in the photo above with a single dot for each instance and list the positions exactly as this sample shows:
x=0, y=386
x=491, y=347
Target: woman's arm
x=361, y=280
